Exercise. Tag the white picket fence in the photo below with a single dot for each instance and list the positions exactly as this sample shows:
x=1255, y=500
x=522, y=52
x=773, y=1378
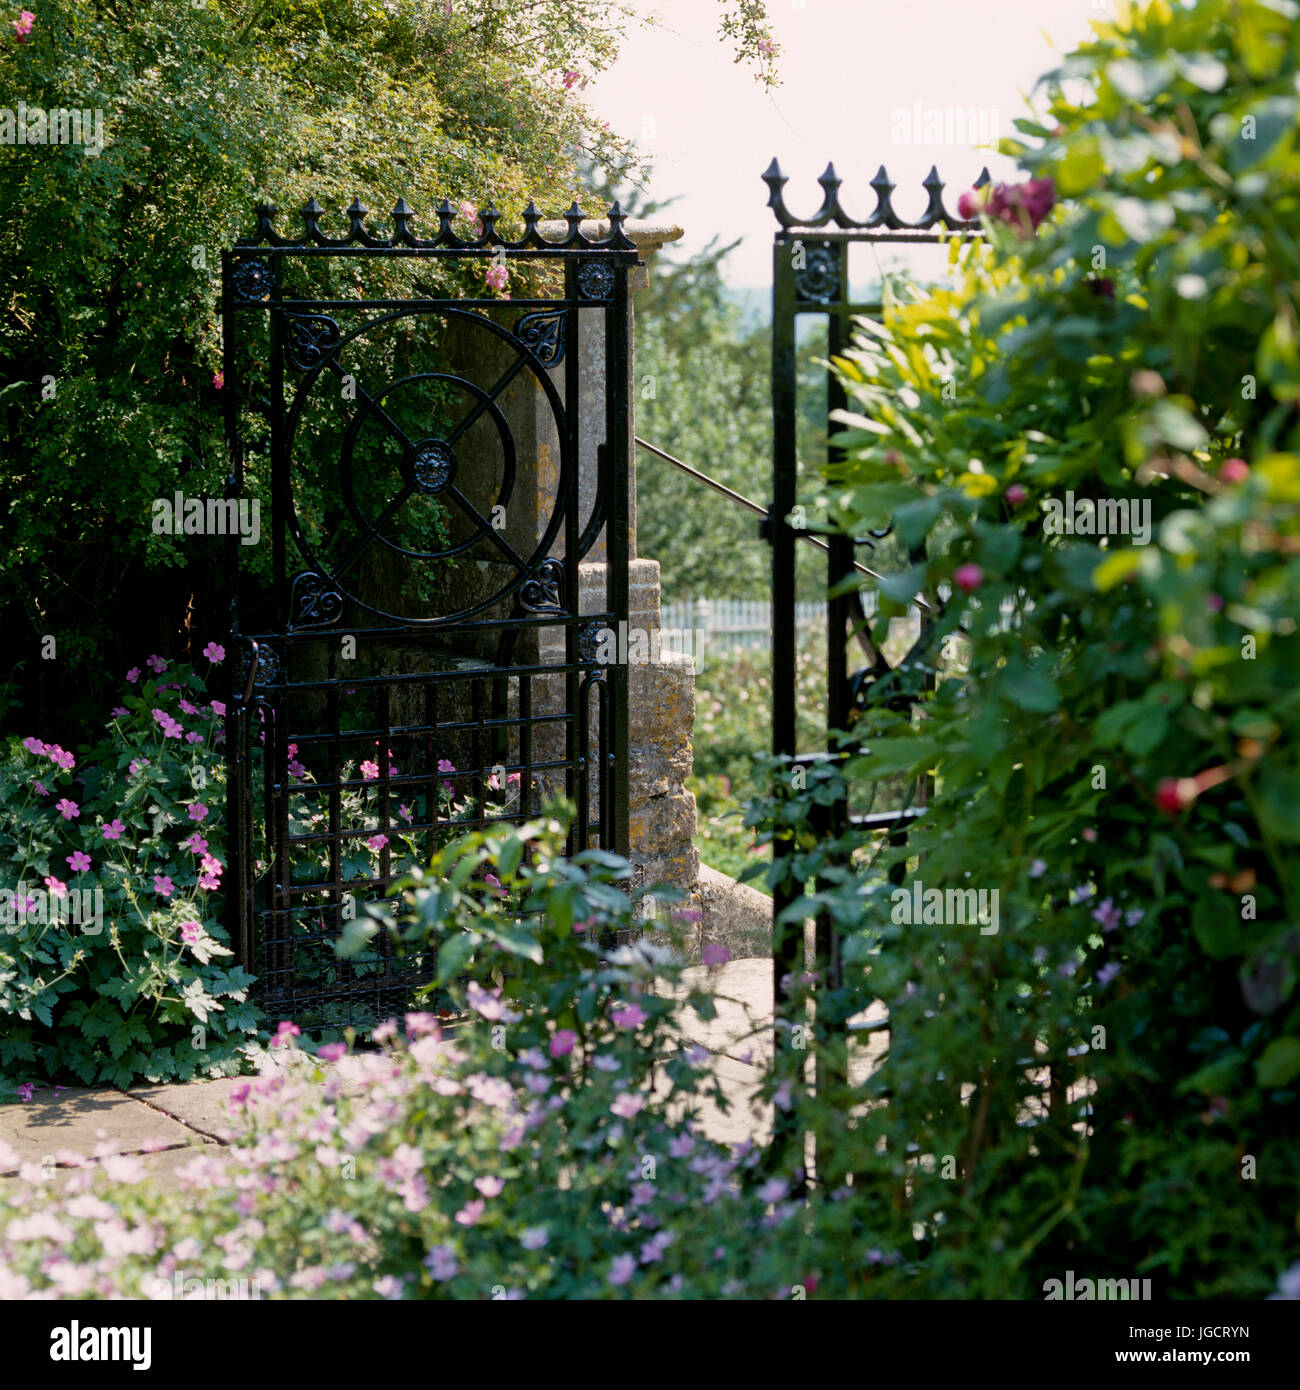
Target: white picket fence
x=732, y=623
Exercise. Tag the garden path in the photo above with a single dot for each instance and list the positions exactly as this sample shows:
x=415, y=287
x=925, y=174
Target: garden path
x=163, y=1123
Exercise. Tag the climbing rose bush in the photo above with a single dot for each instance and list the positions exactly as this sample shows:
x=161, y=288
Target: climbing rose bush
x=1101, y=721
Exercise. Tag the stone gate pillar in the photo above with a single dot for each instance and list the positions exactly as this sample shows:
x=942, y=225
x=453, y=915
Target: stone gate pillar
x=661, y=694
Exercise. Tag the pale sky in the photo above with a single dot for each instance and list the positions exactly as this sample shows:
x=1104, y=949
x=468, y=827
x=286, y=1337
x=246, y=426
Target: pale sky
x=848, y=68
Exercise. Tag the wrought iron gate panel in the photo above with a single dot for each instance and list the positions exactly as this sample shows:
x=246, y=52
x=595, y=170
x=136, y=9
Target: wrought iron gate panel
x=816, y=281
x=457, y=704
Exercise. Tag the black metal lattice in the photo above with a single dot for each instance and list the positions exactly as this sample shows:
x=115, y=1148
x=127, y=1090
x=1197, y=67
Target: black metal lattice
x=411, y=667
x=816, y=281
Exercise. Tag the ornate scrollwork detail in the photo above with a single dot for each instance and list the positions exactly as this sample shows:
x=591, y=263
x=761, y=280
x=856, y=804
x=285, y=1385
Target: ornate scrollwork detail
x=252, y=280
x=312, y=602
x=544, y=592
x=433, y=466
x=543, y=335
x=309, y=338
x=817, y=281
x=268, y=667
x=592, y=637
x=595, y=280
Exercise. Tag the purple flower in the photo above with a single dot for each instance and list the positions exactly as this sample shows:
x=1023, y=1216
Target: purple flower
x=621, y=1269
x=714, y=955
x=190, y=932
x=1038, y=868
x=163, y=886
x=156, y=664
x=1107, y=914
x=214, y=652
x=562, y=1043
x=69, y=810
x=80, y=861
x=628, y=1106
x=1107, y=973
x=628, y=1016
x=533, y=1237
x=441, y=1262
x=198, y=811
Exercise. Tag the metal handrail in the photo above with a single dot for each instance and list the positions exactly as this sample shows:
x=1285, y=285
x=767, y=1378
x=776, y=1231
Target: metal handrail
x=754, y=507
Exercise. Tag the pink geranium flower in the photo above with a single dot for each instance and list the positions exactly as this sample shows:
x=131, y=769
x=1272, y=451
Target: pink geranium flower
x=628, y=1016
x=198, y=811
x=284, y=1032
x=377, y=842
x=156, y=664
x=57, y=889
x=563, y=1042
x=190, y=932
x=69, y=810
x=163, y=886
x=23, y=25
x=471, y=1213
x=80, y=861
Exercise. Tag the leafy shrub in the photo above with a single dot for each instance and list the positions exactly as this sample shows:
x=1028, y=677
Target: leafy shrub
x=1108, y=1082
x=139, y=983
x=544, y=1147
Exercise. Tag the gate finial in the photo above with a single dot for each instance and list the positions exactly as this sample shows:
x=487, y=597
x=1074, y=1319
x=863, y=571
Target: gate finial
x=402, y=214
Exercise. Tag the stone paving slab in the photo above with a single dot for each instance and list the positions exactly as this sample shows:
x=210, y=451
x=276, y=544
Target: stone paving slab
x=199, y=1105
x=742, y=1027
x=78, y=1119
x=181, y=1116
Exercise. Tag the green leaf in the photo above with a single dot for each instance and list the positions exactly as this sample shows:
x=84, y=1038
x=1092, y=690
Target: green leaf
x=1280, y=1063
x=1216, y=927
x=519, y=941
x=454, y=955
x=1029, y=689
x=1279, y=804
x=1147, y=733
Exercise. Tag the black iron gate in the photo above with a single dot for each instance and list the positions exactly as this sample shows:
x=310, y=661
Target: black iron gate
x=417, y=656
x=810, y=268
